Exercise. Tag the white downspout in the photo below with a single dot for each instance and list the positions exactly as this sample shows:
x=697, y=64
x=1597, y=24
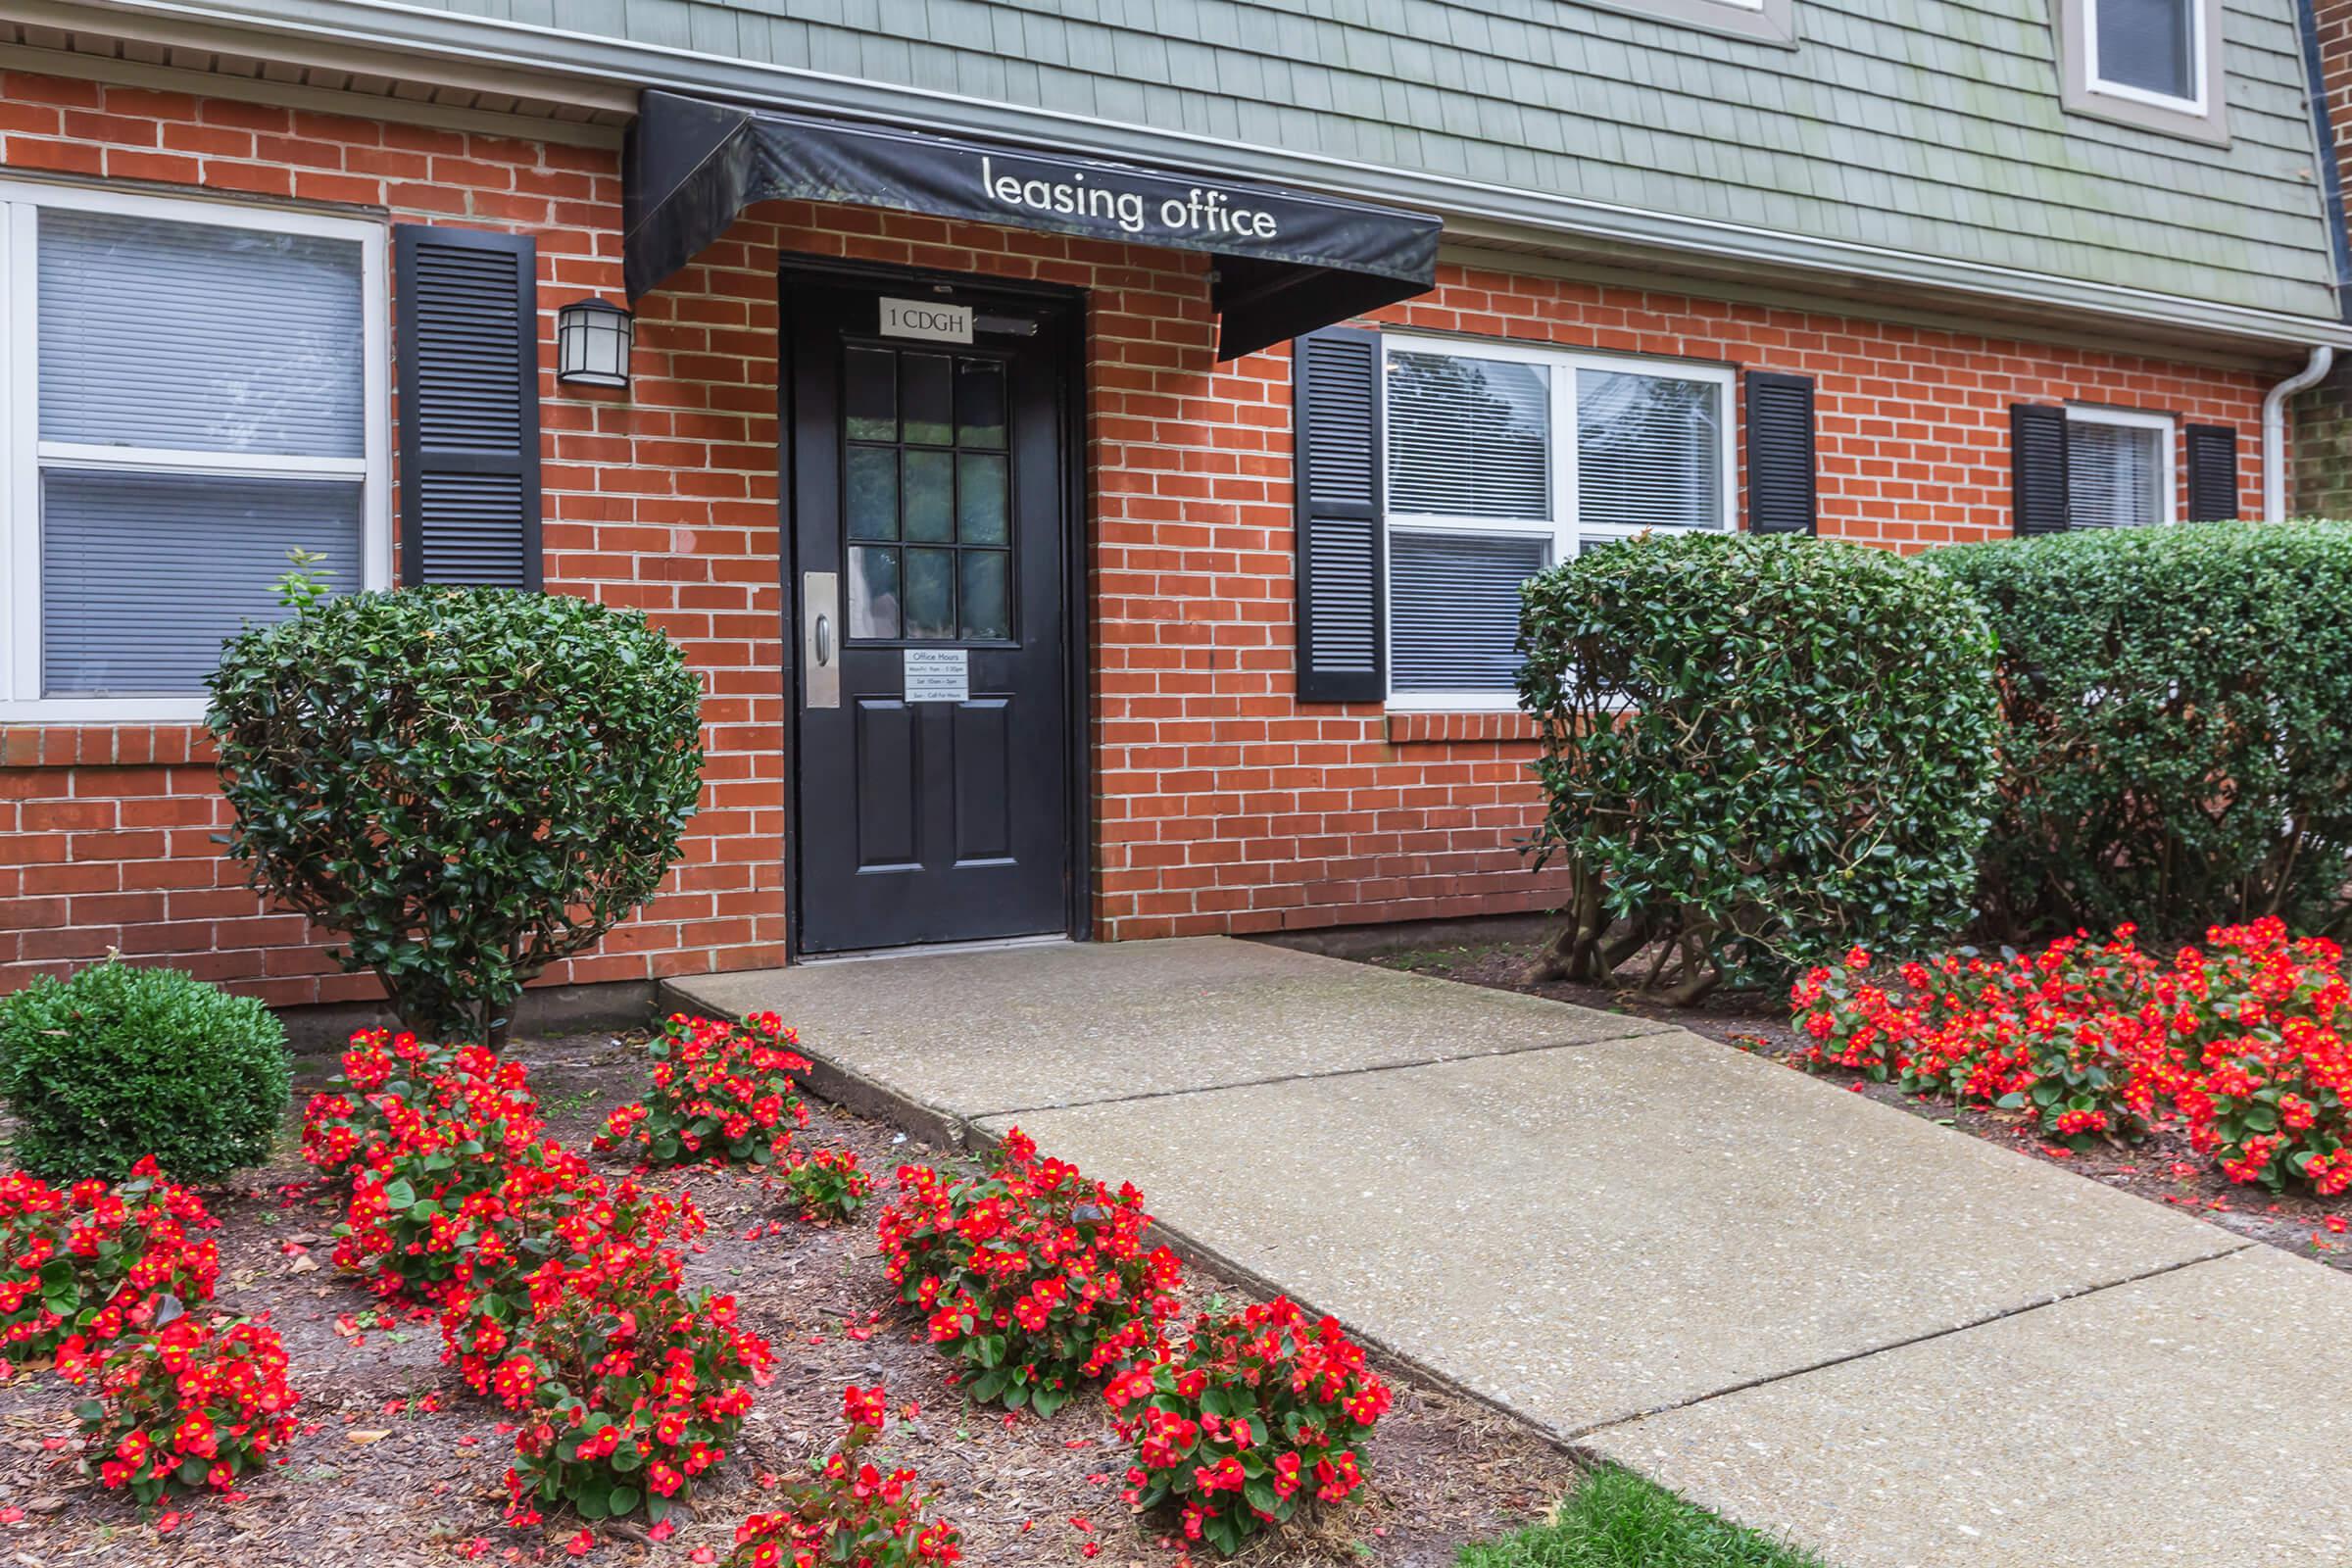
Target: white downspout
x=2274, y=431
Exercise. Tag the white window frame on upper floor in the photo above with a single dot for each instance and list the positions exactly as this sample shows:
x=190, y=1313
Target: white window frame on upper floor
x=22, y=452
x=1769, y=21
x=2168, y=429
x=1561, y=529
x=2202, y=117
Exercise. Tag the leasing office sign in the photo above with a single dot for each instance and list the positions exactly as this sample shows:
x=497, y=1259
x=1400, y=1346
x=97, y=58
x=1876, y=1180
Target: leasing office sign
x=694, y=165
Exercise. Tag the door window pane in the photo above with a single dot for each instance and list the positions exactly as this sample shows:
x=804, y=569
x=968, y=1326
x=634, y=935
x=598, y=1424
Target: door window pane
x=1453, y=608
x=198, y=338
x=924, y=385
x=870, y=395
x=143, y=575
x=1648, y=451
x=2114, y=473
x=980, y=402
x=873, y=591
x=872, y=504
x=931, y=495
x=980, y=508
x=2148, y=44
x=1468, y=437
x=987, y=595
x=931, y=592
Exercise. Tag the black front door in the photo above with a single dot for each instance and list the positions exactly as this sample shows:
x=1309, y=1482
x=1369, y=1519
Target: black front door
x=930, y=515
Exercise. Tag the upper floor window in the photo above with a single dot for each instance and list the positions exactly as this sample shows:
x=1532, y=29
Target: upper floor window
x=2155, y=63
x=187, y=393
x=1768, y=22
x=1504, y=458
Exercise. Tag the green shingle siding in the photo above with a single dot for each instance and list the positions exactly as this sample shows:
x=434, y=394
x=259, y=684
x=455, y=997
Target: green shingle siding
x=1930, y=126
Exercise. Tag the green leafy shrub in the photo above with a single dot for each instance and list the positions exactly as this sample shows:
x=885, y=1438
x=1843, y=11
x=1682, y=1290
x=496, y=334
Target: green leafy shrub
x=469, y=783
x=2176, y=701
x=1755, y=751
x=122, y=1062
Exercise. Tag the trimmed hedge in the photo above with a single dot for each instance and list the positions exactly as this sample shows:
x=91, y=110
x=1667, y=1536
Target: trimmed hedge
x=2178, y=706
x=1755, y=751
x=120, y=1063
x=470, y=783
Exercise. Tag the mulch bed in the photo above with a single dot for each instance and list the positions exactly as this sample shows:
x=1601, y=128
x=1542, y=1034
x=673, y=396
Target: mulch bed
x=2162, y=1169
x=376, y=1480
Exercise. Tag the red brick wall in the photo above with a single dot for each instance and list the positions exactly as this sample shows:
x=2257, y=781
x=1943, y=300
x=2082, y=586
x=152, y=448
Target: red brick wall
x=1221, y=805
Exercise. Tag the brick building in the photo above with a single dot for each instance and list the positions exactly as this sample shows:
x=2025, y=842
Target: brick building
x=1027, y=603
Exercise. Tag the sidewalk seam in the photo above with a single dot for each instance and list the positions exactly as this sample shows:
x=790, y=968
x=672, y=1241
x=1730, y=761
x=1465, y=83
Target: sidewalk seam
x=1580, y=1434
x=973, y=1118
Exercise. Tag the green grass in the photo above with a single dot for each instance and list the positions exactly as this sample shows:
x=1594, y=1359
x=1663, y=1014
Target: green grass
x=1615, y=1519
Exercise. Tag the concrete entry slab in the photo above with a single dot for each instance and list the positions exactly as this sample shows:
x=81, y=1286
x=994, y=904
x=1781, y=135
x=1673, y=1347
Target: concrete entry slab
x=1588, y=1235
x=967, y=1034
x=2197, y=1418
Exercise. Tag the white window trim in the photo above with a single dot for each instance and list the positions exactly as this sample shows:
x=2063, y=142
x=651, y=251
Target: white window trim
x=22, y=451
x=2201, y=117
x=1561, y=529
x=2168, y=476
x=1764, y=22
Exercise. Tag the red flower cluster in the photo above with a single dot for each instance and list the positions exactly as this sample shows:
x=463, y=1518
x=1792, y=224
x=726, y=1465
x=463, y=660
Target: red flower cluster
x=829, y=1184
x=81, y=1259
x=1260, y=1411
x=721, y=1091
x=849, y=1512
x=183, y=1405
x=2248, y=1039
x=2032, y=1032
x=388, y=1076
x=561, y=1294
x=628, y=1387
x=1036, y=1279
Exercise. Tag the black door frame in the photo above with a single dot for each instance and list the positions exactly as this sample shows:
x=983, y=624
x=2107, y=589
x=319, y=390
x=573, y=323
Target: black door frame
x=1078, y=619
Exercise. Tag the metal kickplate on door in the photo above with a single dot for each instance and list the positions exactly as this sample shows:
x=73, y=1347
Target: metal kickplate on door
x=938, y=675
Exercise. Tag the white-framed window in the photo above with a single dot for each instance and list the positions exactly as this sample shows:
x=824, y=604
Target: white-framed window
x=2155, y=63
x=1503, y=459
x=188, y=390
x=2118, y=468
x=1767, y=21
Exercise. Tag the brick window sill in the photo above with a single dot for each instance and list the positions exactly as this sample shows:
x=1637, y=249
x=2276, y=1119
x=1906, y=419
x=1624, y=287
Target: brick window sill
x=1459, y=729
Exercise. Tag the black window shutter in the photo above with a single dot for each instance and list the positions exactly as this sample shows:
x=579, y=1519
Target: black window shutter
x=2038, y=466
x=2212, y=473
x=466, y=322
x=1780, y=453
x=1336, y=471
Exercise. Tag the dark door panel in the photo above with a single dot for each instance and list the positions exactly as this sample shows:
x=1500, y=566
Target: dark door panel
x=929, y=500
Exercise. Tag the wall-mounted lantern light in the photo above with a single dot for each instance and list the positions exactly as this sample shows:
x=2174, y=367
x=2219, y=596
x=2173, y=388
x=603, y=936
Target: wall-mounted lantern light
x=593, y=338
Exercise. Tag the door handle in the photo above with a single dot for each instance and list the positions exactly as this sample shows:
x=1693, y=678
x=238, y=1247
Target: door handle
x=820, y=665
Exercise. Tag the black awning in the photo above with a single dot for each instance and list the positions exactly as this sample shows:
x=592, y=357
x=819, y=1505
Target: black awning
x=1286, y=261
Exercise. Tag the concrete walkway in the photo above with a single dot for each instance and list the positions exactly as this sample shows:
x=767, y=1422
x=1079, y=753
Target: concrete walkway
x=1879, y=1338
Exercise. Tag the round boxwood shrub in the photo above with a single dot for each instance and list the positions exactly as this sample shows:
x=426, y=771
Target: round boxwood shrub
x=1754, y=751
x=120, y=1063
x=2178, y=704
x=469, y=783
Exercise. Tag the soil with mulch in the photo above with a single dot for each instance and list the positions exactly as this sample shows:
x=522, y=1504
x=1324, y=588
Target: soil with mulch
x=2161, y=1168
x=380, y=1477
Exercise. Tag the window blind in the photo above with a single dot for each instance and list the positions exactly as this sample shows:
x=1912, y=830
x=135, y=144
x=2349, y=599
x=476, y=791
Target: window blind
x=1468, y=437
x=2112, y=474
x=144, y=574
x=198, y=338
x=2148, y=44
x=1453, y=608
x=1649, y=450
